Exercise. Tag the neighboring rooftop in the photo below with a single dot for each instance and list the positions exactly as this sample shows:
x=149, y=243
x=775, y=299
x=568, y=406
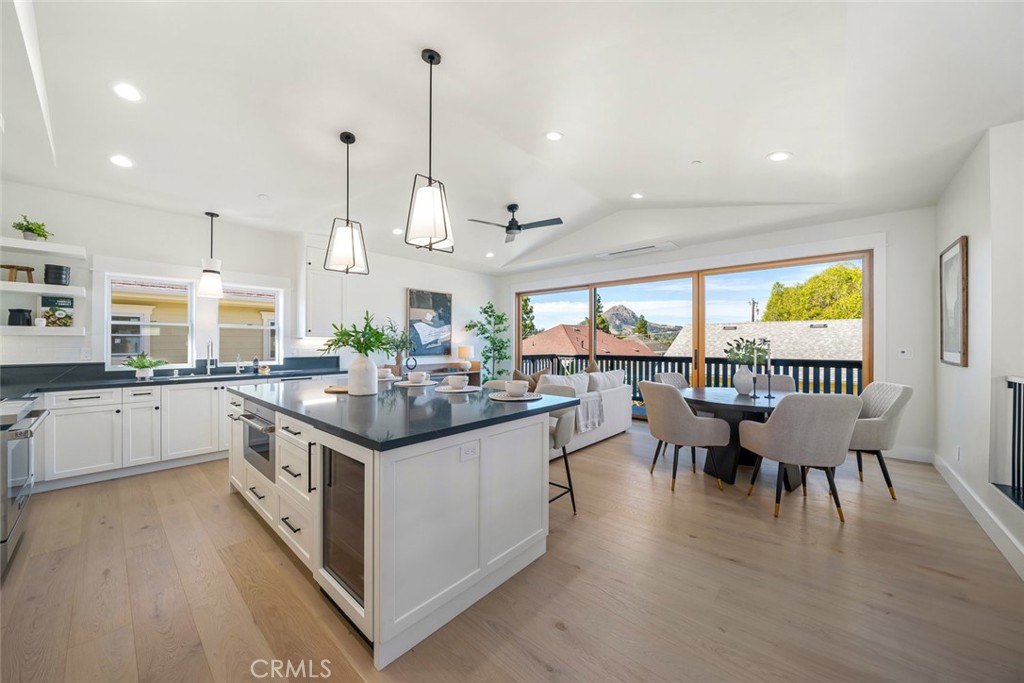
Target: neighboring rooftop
x=572, y=340
x=800, y=339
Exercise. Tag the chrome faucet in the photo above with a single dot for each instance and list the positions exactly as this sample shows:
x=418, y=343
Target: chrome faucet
x=210, y=362
x=238, y=364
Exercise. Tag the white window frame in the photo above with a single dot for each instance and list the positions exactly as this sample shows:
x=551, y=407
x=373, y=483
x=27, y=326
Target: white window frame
x=270, y=324
x=109, y=312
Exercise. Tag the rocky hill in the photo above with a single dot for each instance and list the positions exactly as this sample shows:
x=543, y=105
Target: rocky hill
x=622, y=322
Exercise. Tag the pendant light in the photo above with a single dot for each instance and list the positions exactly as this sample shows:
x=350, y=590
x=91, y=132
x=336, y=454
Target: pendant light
x=346, y=252
x=209, y=283
x=429, y=226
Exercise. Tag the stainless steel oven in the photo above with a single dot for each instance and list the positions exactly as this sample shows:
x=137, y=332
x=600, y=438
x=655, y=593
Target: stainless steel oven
x=258, y=442
x=20, y=425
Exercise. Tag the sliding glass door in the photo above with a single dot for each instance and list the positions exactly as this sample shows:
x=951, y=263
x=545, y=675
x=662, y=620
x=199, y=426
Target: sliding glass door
x=554, y=331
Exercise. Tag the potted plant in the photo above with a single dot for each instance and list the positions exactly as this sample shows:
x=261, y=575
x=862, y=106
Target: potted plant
x=492, y=329
x=143, y=365
x=746, y=352
x=362, y=373
x=400, y=342
x=31, y=230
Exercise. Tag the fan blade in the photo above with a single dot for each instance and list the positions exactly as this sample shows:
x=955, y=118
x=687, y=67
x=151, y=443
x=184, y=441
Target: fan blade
x=476, y=220
x=510, y=237
x=541, y=224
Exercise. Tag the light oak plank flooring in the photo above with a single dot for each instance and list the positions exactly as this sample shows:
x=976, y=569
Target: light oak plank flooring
x=167, y=577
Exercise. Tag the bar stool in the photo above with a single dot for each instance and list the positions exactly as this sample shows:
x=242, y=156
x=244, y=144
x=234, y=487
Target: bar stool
x=559, y=435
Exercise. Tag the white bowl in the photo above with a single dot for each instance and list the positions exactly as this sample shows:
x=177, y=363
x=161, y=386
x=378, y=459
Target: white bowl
x=458, y=381
x=516, y=387
x=418, y=377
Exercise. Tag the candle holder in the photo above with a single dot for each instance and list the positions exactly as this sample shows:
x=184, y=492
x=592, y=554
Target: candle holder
x=769, y=394
x=754, y=394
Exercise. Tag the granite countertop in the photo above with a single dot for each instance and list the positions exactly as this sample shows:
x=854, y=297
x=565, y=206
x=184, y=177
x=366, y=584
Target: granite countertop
x=395, y=417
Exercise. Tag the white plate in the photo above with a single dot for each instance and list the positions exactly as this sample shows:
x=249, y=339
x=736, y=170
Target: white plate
x=392, y=378
x=503, y=396
x=415, y=384
x=453, y=390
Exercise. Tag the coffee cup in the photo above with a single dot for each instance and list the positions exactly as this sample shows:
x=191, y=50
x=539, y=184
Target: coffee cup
x=516, y=387
x=458, y=381
x=384, y=373
x=417, y=377
x=40, y=322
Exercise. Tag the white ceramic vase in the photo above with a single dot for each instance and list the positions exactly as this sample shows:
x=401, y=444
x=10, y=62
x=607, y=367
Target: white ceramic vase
x=362, y=376
x=31, y=236
x=743, y=381
x=143, y=373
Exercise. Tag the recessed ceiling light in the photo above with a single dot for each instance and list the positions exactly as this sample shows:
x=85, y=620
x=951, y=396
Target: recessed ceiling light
x=636, y=195
x=397, y=231
x=122, y=161
x=780, y=156
x=553, y=135
x=263, y=196
x=127, y=91
x=489, y=254
x=696, y=162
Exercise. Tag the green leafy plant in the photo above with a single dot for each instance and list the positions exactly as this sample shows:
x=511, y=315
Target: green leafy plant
x=365, y=340
x=834, y=293
x=398, y=337
x=496, y=346
x=143, y=362
x=25, y=225
x=742, y=350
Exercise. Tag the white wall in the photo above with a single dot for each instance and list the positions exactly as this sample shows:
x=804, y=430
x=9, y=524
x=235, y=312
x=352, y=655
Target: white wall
x=904, y=288
x=984, y=202
x=145, y=241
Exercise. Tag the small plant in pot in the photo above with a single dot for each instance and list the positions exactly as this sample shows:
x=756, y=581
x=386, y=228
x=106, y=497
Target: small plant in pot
x=362, y=373
x=400, y=343
x=143, y=365
x=31, y=230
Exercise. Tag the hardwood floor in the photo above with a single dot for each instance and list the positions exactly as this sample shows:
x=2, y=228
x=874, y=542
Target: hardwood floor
x=167, y=577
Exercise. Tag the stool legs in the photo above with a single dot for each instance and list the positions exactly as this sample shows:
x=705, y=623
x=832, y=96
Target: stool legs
x=657, y=452
x=778, y=488
x=753, y=476
x=835, y=493
x=567, y=488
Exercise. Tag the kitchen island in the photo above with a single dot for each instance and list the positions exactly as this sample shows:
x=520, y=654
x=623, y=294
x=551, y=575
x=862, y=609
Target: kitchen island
x=408, y=506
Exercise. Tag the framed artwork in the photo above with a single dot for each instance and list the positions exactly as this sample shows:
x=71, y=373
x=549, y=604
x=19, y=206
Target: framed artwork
x=430, y=323
x=953, y=303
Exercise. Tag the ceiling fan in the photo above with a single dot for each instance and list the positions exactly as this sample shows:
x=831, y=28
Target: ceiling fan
x=514, y=227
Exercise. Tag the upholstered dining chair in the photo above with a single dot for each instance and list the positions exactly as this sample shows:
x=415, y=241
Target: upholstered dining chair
x=676, y=379
x=560, y=434
x=807, y=430
x=878, y=423
x=779, y=383
x=672, y=421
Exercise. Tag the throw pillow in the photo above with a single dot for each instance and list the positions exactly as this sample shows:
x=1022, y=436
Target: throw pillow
x=532, y=379
x=599, y=381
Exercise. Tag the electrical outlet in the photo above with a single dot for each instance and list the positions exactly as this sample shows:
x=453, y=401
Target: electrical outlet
x=958, y=454
x=469, y=451
x=906, y=354
x=86, y=353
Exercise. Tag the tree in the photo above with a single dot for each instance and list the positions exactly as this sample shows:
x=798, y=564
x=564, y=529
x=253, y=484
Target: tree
x=602, y=321
x=833, y=294
x=491, y=329
x=527, y=321
x=641, y=326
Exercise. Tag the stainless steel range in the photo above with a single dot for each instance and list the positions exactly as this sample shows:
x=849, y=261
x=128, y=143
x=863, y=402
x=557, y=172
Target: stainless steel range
x=20, y=424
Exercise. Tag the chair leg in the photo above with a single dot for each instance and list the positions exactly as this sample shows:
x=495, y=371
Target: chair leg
x=860, y=465
x=657, y=452
x=778, y=488
x=885, y=473
x=803, y=480
x=568, y=479
x=835, y=493
x=693, y=459
x=753, y=477
x=675, y=465
x=714, y=466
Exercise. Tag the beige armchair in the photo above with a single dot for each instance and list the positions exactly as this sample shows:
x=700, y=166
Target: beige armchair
x=676, y=379
x=560, y=434
x=671, y=421
x=779, y=383
x=879, y=421
x=807, y=430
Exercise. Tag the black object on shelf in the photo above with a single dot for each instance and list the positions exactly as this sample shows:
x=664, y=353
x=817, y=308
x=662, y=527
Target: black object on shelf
x=57, y=275
x=19, y=317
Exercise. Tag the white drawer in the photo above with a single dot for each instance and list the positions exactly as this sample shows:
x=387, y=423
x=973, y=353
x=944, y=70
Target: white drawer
x=82, y=399
x=261, y=494
x=293, y=469
x=290, y=430
x=140, y=394
x=295, y=526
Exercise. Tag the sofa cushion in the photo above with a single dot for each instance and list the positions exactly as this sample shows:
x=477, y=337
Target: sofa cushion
x=532, y=379
x=578, y=382
x=599, y=381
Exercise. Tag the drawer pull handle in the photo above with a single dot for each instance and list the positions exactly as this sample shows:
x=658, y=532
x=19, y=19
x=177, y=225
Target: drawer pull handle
x=288, y=469
x=142, y=393
x=309, y=465
x=237, y=405
x=253, y=489
x=84, y=398
x=290, y=431
x=295, y=530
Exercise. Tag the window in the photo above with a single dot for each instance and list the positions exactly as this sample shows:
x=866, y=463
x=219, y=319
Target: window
x=248, y=324
x=151, y=316
x=554, y=328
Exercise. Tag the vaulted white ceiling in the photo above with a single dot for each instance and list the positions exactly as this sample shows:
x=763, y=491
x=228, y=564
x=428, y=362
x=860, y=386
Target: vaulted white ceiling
x=879, y=103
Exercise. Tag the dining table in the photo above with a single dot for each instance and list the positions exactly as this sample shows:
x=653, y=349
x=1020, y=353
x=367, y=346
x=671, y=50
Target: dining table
x=733, y=407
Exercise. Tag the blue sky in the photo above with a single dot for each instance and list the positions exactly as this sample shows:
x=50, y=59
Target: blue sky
x=670, y=301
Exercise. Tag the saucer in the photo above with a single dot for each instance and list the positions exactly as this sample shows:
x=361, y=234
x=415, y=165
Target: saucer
x=453, y=390
x=428, y=383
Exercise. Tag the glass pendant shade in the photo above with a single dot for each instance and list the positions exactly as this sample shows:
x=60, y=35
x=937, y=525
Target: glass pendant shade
x=346, y=252
x=429, y=225
x=210, y=283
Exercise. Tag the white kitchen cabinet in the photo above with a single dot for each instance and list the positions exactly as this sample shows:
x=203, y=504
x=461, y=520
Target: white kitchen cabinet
x=140, y=433
x=323, y=296
x=231, y=404
x=83, y=440
x=236, y=457
x=191, y=415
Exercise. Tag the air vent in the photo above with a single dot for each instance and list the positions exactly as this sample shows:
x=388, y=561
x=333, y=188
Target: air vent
x=638, y=251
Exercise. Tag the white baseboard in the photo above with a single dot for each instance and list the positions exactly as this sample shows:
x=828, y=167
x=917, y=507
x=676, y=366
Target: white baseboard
x=911, y=453
x=1011, y=547
x=43, y=486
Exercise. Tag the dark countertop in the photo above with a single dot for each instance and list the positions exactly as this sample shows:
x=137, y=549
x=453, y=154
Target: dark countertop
x=395, y=417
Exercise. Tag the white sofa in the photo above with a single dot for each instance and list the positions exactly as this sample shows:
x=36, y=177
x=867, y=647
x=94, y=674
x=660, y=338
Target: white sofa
x=617, y=401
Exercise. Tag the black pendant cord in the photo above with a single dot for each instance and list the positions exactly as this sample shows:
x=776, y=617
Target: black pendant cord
x=430, y=127
x=211, y=237
x=347, y=148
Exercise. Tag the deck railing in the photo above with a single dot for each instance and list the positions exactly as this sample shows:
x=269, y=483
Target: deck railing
x=812, y=376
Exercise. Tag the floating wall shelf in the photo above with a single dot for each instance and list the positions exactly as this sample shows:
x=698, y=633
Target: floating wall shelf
x=42, y=247
x=26, y=331
x=40, y=288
